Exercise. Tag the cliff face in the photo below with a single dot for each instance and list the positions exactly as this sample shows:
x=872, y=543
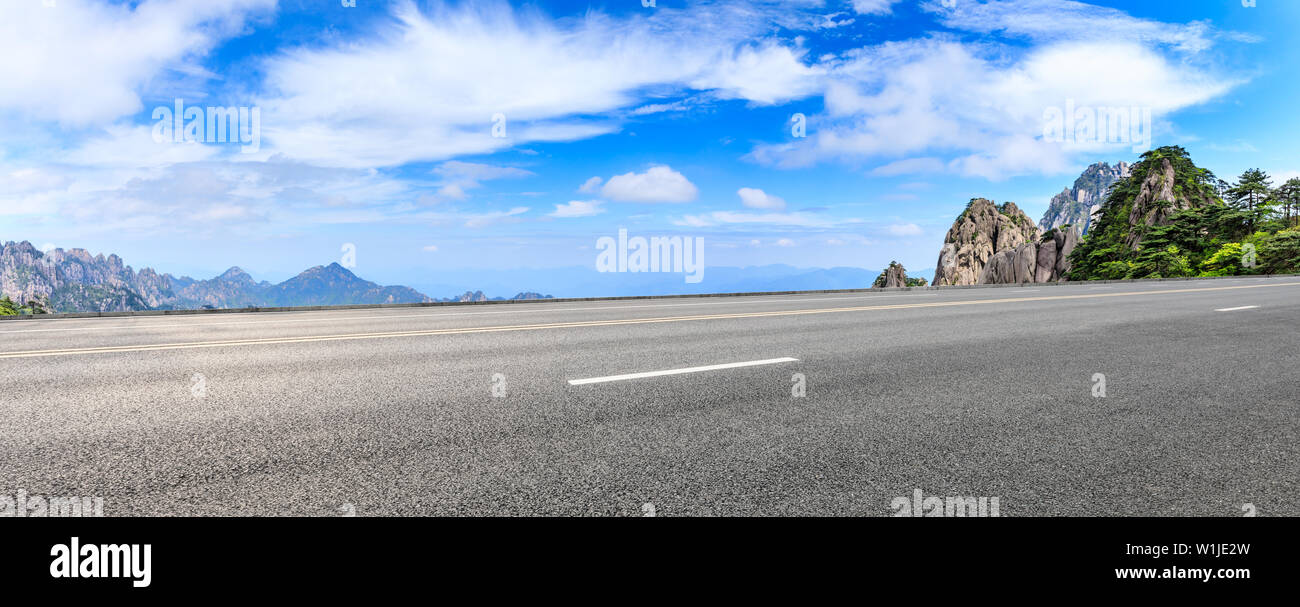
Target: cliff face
x=1047, y=260
x=983, y=230
x=1160, y=197
x=1076, y=206
x=76, y=281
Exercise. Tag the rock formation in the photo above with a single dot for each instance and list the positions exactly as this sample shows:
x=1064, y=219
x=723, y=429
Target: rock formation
x=893, y=276
x=1159, y=198
x=1076, y=206
x=1048, y=260
x=983, y=230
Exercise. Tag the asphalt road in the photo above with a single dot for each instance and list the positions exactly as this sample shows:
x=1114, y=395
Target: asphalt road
x=979, y=392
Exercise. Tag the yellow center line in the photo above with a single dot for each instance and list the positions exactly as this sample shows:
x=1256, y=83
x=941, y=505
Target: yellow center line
x=602, y=323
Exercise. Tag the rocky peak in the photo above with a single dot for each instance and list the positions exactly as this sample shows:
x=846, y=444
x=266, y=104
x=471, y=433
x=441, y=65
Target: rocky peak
x=237, y=275
x=1077, y=205
x=893, y=276
x=1159, y=198
x=982, y=230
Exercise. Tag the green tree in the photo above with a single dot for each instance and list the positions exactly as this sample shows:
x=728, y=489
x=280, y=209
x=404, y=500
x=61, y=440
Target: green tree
x=35, y=306
x=1224, y=262
x=1160, y=262
x=1252, y=194
x=1280, y=253
x=7, y=306
x=1288, y=195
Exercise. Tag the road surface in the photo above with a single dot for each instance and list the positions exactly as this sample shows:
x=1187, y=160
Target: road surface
x=565, y=408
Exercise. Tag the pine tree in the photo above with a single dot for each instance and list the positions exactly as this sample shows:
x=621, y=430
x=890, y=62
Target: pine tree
x=1251, y=193
x=1288, y=194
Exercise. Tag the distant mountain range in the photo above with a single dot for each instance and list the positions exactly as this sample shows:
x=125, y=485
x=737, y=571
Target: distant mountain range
x=1076, y=206
x=76, y=281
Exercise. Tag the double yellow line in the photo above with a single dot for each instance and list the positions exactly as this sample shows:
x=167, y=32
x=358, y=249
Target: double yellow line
x=596, y=323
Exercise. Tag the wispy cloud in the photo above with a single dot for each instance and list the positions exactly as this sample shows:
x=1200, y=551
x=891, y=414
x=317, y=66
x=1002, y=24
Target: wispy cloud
x=578, y=208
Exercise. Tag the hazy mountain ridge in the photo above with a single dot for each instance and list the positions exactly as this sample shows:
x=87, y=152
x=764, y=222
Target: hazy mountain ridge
x=76, y=281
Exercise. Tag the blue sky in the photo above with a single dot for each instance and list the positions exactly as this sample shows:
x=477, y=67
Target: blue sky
x=376, y=123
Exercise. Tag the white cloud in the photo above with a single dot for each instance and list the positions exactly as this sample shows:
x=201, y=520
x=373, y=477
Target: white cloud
x=578, y=208
x=1281, y=177
x=874, y=7
x=426, y=87
x=458, y=176
x=767, y=75
x=84, y=63
x=433, y=248
x=909, y=166
x=731, y=217
x=785, y=242
x=127, y=147
x=1055, y=20
x=693, y=221
x=656, y=184
x=591, y=186
x=758, y=199
x=908, y=103
x=480, y=220
x=905, y=229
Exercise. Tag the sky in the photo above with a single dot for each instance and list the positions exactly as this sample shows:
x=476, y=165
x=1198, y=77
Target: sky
x=428, y=137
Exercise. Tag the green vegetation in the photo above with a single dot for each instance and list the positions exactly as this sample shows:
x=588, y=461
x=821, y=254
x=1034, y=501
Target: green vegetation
x=911, y=282
x=9, y=308
x=1254, y=232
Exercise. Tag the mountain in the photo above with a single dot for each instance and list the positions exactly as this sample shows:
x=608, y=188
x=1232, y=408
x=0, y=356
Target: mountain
x=1161, y=217
x=1165, y=219
x=529, y=295
x=981, y=231
x=1077, y=205
x=334, y=285
x=76, y=281
x=1169, y=183
x=232, y=289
